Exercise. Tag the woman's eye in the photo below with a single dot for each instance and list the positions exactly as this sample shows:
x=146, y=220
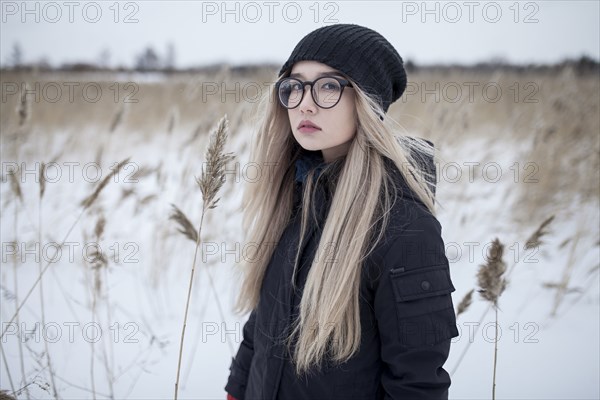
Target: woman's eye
x=330, y=86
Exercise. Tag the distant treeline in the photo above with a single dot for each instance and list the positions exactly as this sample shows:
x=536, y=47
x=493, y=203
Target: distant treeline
x=582, y=65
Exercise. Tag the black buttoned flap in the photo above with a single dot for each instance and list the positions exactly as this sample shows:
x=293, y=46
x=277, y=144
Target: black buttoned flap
x=421, y=282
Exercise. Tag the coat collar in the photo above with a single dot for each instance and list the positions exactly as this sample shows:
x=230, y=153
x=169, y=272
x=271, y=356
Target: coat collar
x=307, y=161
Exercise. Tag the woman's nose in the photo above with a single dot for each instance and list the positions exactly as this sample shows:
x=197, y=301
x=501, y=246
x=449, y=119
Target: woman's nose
x=308, y=104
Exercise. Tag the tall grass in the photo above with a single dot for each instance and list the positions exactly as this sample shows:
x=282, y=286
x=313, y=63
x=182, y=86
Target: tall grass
x=556, y=132
x=86, y=203
x=492, y=284
x=40, y=269
x=492, y=278
x=210, y=182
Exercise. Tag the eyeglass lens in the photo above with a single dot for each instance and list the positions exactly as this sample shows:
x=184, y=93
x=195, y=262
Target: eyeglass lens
x=326, y=92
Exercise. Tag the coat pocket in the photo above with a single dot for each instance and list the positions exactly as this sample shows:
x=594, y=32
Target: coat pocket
x=421, y=282
x=424, y=305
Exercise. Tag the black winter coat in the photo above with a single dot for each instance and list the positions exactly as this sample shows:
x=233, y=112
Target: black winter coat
x=407, y=315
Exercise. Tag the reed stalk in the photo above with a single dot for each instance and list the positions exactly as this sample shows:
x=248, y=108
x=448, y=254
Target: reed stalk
x=210, y=182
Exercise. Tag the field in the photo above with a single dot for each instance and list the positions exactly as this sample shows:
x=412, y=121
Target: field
x=103, y=284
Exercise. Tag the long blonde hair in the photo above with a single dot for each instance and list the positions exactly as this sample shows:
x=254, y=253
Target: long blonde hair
x=364, y=194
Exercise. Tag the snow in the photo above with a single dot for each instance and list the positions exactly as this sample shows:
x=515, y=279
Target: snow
x=138, y=319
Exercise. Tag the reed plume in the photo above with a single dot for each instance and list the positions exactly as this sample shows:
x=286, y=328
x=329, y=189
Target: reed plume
x=535, y=238
x=185, y=226
x=210, y=182
x=24, y=107
x=213, y=171
x=117, y=119
x=492, y=283
x=89, y=200
x=490, y=275
x=465, y=303
x=15, y=185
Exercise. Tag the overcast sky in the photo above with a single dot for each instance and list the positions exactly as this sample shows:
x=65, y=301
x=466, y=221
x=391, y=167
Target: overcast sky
x=266, y=31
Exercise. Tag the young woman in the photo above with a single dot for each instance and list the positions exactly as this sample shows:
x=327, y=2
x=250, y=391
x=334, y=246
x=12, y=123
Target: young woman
x=348, y=286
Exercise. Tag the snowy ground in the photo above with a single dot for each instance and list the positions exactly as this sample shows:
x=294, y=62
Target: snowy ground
x=128, y=347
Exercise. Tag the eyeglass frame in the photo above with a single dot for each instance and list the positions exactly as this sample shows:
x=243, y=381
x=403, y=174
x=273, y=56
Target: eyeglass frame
x=343, y=83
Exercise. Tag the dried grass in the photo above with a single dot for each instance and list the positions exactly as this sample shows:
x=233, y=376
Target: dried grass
x=490, y=275
x=492, y=283
x=117, y=120
x=88, y=201
x=24, y=108
x=49, y=364
x=42, y=179
x=534, y=240
x=563, y=124
x=210, y=182
x=4, y=395
x=15, y=185
x=213, y=171
x=465, y=303
x=492, y=280
x=185, y=226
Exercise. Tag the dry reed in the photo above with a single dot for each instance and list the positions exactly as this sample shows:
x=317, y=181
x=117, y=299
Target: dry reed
x=210, y=182
x=213, y=171
x=8, y=374
x=24, y=107
x=16, y=189
x=185, y=226
x=562, y=287
x=98, y=262
x=493, y=283
x=89, y=200
x=490, y=275
x=15, y=185
x=117, y=120
x=4, y=395
x=534, y=238
x=86, y=203
x=465, y=303
x=42, y=191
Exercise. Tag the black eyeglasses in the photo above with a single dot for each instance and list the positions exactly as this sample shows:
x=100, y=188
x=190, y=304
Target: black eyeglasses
x=325, y=91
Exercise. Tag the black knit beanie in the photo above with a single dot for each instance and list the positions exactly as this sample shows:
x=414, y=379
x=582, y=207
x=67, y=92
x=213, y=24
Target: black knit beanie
x=361, y=53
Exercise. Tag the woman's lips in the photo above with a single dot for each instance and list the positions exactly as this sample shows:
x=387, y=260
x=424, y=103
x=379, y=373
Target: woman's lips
x=308, y=129
x=305, y=126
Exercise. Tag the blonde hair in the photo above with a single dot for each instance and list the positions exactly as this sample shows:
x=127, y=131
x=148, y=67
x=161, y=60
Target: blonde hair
x=329, y=318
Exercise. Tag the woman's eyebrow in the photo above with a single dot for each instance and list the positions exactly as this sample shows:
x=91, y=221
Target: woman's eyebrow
x=329, y=73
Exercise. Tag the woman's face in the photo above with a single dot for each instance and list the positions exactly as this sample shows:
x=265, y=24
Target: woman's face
x=336, y=126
